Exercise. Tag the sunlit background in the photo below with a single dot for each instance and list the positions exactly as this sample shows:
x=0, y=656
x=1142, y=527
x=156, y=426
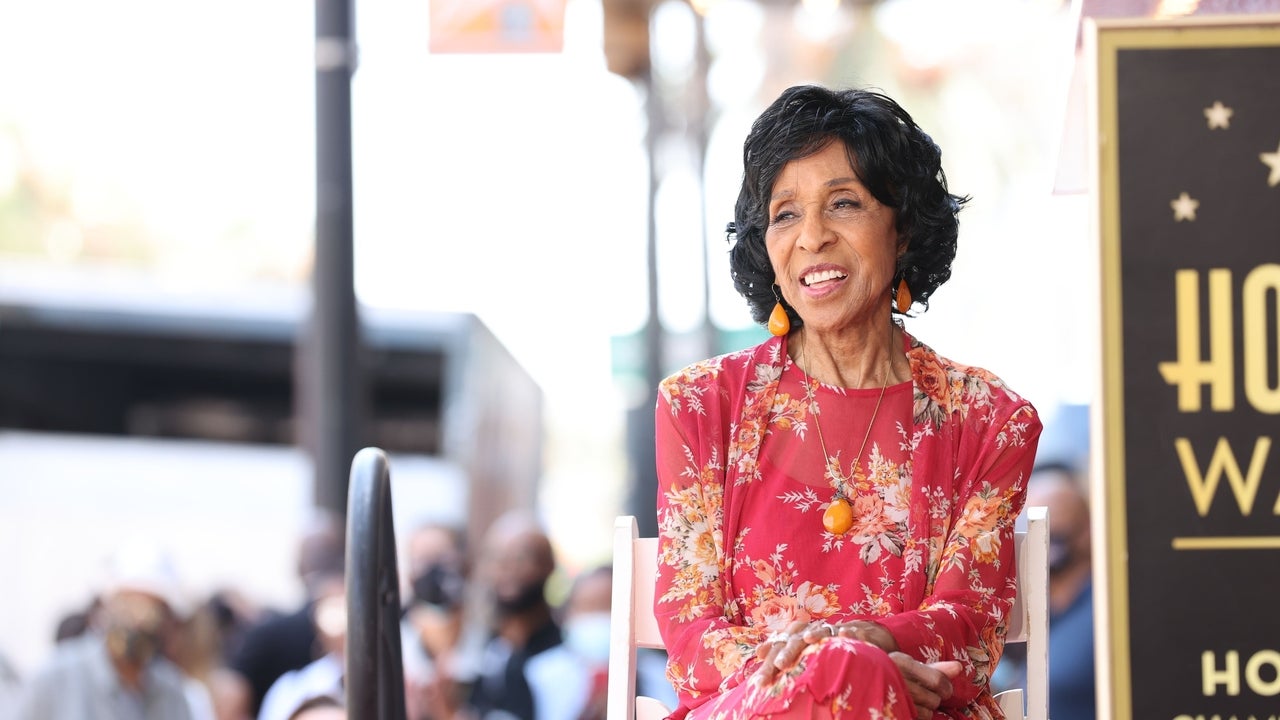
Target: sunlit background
x=162, y=155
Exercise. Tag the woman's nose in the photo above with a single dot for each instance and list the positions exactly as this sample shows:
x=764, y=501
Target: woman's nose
x=815, y=233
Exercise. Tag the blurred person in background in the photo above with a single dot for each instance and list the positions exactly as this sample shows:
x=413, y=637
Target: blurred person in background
x=324, y=676
x=323, y=707
x=515, y=564
x=1057, y=485
x=569, y=681
x=1071, y=658
x=117, y=670
x=10, y=687
x=436, y=579
x=283, y=642
x=233, y=614
x=196, y=648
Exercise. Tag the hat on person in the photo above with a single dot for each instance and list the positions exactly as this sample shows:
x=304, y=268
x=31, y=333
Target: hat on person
x=146, y=568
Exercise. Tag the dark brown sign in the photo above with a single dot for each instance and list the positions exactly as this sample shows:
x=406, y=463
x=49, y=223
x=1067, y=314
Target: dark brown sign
x=1187, y=479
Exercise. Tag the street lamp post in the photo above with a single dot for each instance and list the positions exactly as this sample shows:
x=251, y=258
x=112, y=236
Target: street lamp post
x=331, y=402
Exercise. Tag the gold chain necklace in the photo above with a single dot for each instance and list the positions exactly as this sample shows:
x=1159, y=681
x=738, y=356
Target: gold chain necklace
x=838, y=517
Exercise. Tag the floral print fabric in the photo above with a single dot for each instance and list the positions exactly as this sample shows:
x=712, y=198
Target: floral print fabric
x=743, y=483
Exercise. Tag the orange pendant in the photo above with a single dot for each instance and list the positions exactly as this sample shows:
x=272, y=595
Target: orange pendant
x=838, y=517
x=779, y=323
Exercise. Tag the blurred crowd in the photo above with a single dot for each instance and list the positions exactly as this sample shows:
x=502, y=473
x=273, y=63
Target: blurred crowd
x=481, y=638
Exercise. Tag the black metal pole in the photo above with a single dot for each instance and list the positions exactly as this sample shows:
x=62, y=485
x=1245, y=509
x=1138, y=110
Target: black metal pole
x=335, y=400
x=644, y=488
x=653, y=331
x=699, y=131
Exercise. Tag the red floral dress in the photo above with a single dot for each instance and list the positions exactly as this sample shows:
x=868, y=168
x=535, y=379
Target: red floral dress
x=743, y=552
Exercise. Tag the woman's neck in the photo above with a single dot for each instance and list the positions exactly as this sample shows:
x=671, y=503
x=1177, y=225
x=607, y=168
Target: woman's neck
x=867, y=358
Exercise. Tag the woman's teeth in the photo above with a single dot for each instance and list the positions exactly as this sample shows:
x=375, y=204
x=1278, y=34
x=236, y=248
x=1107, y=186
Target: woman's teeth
x=814, y=278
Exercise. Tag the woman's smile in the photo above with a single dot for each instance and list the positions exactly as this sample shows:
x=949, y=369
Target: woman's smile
x=822, y=279
x=817, y=277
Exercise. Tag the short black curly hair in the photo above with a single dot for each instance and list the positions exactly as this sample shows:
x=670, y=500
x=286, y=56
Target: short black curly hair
x=897, y=162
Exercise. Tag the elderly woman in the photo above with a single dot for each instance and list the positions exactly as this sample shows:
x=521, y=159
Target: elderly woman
x=836, y=505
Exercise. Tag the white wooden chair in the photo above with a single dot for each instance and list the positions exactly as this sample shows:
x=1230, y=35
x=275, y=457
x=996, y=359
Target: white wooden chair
x=634, y=626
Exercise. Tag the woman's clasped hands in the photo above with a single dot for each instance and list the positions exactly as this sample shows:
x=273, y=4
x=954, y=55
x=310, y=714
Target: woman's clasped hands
x=929, y=683
x=780, y=651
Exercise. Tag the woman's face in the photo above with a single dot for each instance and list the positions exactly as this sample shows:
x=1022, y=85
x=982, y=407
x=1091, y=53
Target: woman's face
x=832, y=245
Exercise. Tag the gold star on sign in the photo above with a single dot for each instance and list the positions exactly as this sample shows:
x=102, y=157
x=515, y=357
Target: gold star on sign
x=1219, y=115
x=1184, y=208
x=1272, y=160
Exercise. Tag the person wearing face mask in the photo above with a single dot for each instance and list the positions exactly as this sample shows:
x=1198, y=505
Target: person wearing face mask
x=569, y=680
x=1071, y=650
x=516, y=562
x=1057, y=485
x=432, y=621
x=117, y=671
x=436, y=574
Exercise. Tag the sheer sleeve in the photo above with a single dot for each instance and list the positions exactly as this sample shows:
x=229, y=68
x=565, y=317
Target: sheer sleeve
x=707, y=649
x=964, y=613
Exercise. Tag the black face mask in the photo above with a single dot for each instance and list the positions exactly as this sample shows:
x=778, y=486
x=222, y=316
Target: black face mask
x=528, y=597
x=1060, y=555
x=439, y=585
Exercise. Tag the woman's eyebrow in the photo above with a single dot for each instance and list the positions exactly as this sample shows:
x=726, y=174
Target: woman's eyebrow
x=834, y=182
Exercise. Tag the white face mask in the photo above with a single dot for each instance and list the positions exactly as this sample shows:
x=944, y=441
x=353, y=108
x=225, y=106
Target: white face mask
x=587, y=635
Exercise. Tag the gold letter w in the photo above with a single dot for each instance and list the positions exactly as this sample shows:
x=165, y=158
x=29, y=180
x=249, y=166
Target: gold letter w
x=1223, y=460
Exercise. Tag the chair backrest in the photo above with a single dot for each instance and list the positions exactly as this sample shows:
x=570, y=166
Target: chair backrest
x=633, y=625
x=1029, y=618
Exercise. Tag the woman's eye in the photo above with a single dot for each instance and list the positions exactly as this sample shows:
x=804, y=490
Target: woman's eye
x=782, y=216
x=845, y=204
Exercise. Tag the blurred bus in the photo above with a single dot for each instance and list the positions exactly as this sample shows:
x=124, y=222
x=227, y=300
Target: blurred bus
x=123, y=418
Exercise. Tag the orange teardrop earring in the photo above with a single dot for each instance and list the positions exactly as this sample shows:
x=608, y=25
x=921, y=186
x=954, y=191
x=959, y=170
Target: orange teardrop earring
x=779, y=323
x=904, y=297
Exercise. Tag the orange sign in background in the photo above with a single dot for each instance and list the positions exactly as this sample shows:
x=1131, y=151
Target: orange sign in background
x=497, y=26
